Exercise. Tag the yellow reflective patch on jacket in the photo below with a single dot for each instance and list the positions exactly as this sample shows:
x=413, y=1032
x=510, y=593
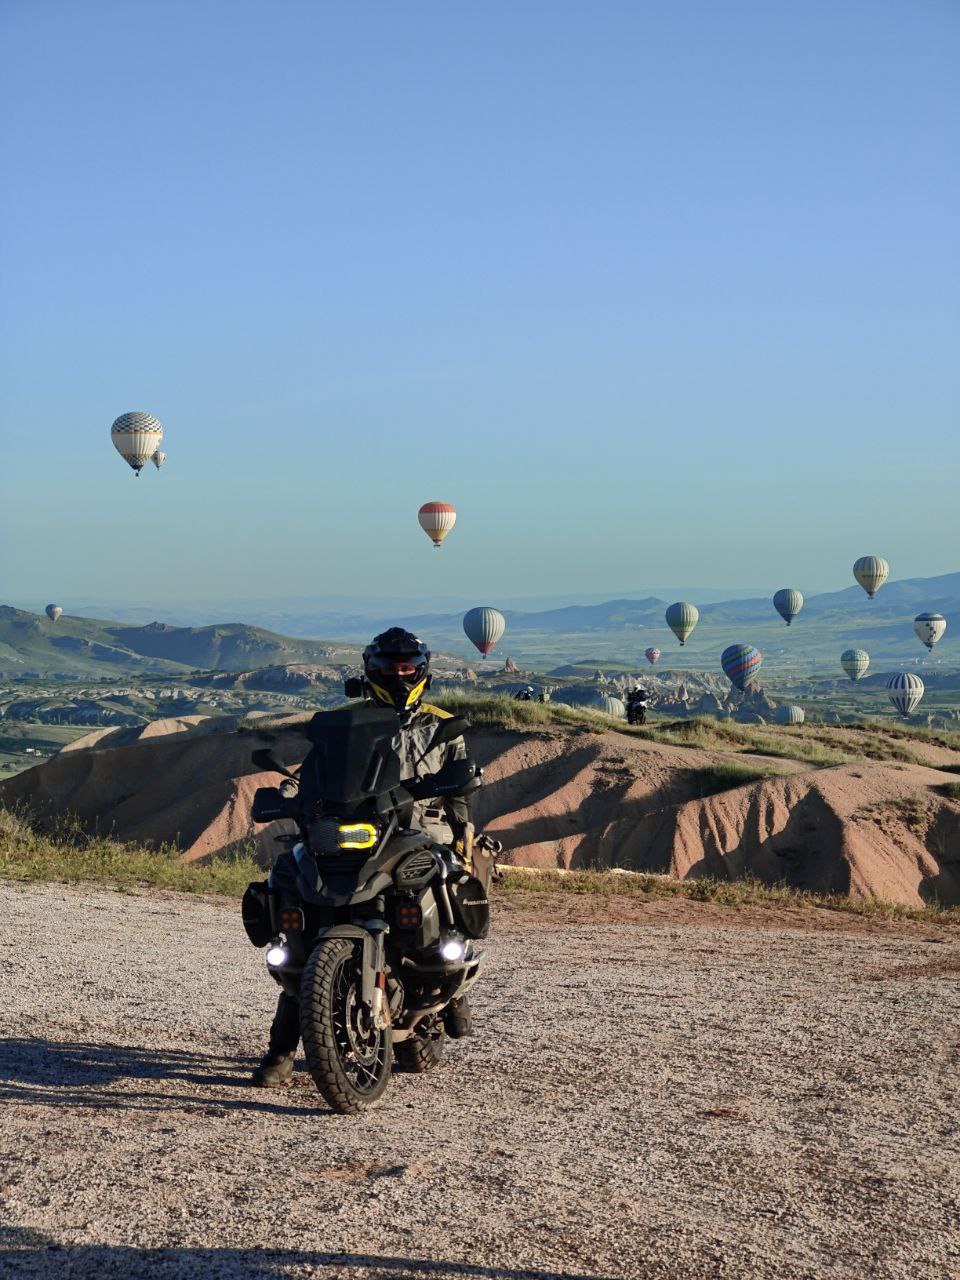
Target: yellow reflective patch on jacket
x=436, y=711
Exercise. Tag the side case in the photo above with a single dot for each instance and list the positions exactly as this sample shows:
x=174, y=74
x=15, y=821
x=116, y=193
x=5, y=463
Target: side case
x=255, y=910
x=471, y=907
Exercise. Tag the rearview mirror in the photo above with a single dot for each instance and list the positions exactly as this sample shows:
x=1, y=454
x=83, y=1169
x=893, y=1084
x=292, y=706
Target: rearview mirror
x=353, y=687
x=269, y=805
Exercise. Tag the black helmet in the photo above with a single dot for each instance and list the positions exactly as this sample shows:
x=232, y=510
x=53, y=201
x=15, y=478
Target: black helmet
x=396, y=669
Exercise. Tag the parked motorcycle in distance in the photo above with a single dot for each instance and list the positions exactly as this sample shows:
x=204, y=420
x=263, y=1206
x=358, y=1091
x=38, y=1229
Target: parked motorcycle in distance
x=368, y=922
x=637, y=711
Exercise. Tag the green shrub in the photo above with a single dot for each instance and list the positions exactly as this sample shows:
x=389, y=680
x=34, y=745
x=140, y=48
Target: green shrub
x=727, y=774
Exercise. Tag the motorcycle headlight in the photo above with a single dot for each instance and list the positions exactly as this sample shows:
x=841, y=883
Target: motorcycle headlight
x=356, y=835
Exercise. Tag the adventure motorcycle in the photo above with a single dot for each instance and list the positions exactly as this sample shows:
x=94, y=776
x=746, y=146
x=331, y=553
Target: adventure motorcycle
x=369, y=923
x=637, y=711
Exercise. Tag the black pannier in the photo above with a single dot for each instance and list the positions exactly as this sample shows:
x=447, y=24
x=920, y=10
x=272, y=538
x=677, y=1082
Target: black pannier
x=255, y=910
x=471, y=908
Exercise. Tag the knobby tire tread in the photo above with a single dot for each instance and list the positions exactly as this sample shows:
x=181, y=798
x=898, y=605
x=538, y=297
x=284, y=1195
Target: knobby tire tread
x=319, y=1044
x=420, y=1054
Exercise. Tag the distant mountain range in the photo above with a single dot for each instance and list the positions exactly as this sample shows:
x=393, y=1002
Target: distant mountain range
x=31, y=644
x=612, y=630
x=622, y=629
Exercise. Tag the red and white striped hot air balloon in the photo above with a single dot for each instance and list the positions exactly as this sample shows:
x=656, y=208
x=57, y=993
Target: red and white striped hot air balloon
x=436, y=520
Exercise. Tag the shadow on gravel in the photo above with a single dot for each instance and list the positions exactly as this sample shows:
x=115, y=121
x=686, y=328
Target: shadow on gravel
x=87, y=1075
x=25, y=1253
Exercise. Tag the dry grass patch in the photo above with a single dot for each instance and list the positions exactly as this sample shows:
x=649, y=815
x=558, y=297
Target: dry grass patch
x=64, y=852
x=527, y=887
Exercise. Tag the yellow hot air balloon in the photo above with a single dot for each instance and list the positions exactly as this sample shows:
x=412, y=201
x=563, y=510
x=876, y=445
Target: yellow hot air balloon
x=136, y=437
x=436, y=520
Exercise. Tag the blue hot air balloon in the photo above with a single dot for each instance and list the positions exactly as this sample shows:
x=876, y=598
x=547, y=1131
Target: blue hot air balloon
x=740, y=663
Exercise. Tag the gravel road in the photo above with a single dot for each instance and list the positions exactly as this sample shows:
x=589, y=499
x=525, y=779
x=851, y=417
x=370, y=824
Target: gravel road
x=646, y=1099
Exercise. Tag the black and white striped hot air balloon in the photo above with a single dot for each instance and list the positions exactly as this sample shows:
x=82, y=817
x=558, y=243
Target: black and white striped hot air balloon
x=136, y=437
x=905, y=691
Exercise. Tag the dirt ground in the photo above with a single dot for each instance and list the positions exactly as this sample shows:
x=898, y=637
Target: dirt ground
x=686, y=1091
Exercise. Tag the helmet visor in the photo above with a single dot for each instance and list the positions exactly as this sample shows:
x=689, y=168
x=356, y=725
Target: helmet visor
x=405, y=667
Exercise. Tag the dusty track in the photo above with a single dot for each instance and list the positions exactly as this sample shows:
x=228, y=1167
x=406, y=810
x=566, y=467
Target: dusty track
x=777, y=1103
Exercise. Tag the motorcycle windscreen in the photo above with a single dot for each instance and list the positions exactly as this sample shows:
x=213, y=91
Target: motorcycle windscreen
x=355, y=754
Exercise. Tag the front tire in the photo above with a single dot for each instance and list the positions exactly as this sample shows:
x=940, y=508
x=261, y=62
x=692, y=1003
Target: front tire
x=348, y=1058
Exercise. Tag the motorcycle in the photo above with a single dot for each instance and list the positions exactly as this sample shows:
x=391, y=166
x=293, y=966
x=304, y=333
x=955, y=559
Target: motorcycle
x=370, y=924
x=637, y=711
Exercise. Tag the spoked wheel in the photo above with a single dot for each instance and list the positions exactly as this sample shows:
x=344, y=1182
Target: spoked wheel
x=348, y=1057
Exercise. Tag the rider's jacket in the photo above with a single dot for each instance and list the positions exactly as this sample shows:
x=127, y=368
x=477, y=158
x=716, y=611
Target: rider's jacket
x=445, y=820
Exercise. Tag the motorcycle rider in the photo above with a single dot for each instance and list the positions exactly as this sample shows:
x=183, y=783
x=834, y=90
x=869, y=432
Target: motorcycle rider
x=396, y=674
x=525, y=694
x=637, y=700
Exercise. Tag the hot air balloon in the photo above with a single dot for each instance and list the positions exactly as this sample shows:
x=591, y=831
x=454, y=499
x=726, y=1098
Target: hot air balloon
x=53, y=612
x=788, y=602
x=136, y=437
x=652, y=655
x=929, y=628
x=612, y=706
x=789, y=715
x=682, y=618
x=159, y=458
x=436, y=520
x=855, y=663
x=871, y=572
x=905, y=691
x=484, y=627
x=740, y=663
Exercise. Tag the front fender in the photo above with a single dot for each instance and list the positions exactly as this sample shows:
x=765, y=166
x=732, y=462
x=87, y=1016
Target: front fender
x=372, y=962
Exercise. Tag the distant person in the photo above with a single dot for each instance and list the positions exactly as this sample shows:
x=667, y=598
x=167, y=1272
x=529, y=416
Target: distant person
x=525, y=694
x=637, y=702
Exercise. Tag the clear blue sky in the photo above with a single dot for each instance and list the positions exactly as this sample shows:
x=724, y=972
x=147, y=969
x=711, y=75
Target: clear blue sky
x=653, y=292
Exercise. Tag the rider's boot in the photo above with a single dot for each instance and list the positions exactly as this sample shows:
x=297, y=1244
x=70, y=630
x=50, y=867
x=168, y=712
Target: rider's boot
x=274, y=1070
x=457, y=1018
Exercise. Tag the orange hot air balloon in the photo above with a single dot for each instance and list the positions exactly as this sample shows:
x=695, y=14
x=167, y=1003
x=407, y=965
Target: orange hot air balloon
x=436, y=520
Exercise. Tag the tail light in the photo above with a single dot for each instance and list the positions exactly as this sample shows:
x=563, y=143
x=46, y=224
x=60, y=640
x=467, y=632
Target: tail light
x=291, y=921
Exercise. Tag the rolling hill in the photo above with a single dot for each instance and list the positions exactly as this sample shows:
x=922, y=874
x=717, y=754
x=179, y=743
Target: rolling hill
x=30, y=644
